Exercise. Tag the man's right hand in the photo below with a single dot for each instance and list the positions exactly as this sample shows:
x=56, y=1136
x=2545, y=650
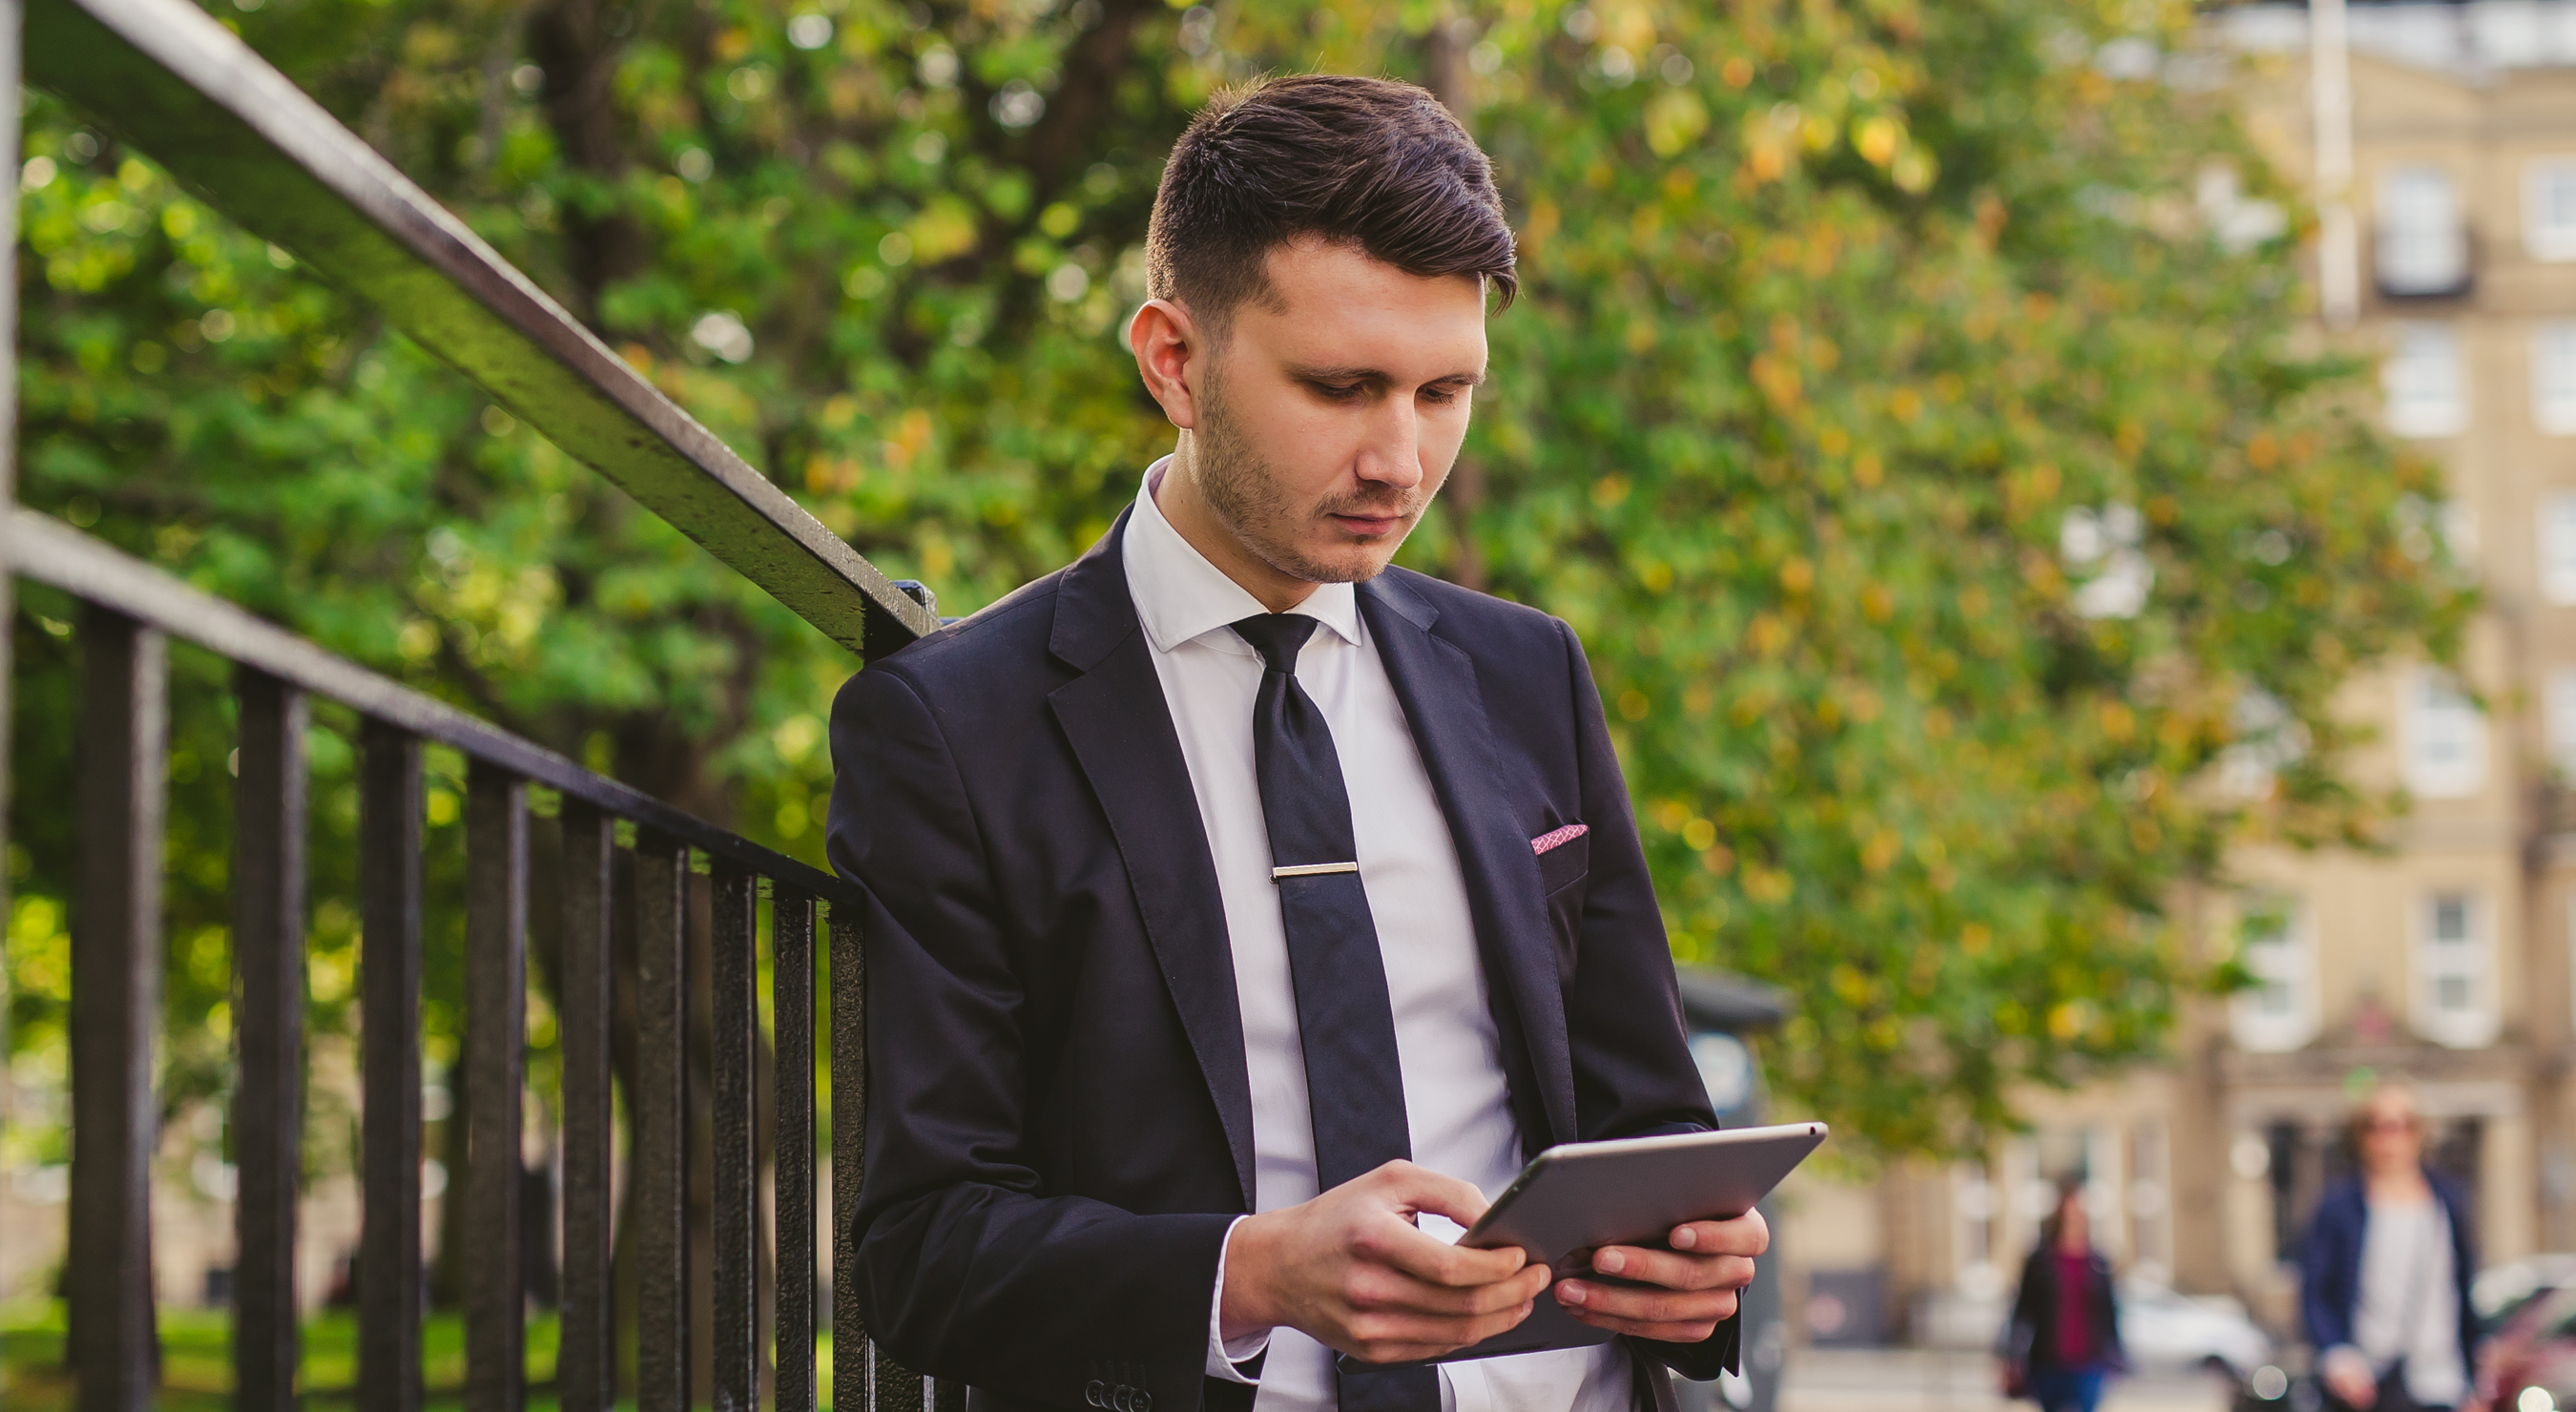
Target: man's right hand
x=1351, y=1270
x=2347, y=1375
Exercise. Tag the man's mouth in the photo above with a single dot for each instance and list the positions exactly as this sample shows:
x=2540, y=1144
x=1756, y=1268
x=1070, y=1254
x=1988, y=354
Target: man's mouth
x=1368, y=523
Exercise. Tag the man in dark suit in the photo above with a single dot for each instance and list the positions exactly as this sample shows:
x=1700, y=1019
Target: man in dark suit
x=1245, y=912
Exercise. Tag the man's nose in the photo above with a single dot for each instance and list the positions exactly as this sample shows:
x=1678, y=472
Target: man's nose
x=1392, y=455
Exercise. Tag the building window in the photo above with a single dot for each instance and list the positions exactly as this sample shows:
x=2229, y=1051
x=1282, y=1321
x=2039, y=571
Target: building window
x=2427, y=389
x=2279, y=1010
x=2422, y=247
x=2560, y=708
x=2444, y=736
x=2558, y=546
x=2553, y=377
x=2571, y=943
x=2151, y=1201
x=2549, y=208
x=1972, y=1241
x=2282, y=1160
x=2455, y=1001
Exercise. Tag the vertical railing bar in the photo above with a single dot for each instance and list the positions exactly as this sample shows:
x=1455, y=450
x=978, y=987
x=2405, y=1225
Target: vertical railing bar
x=391, y=804
x=116, y=1010
x=853, y=1359
x=12, y=12
x=496, y=968
x=734, y=1204
x=660, y=1126
x=896, y=1388
x=791, y=967
x=268, y=1101
x=585, y=1367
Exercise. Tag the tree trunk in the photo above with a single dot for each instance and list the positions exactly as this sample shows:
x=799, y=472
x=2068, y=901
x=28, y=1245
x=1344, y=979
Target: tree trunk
x=577, y=43
x=1444, y=64
x=1444, y=72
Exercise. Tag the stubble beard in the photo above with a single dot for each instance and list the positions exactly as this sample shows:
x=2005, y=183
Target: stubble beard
x=1243, y=491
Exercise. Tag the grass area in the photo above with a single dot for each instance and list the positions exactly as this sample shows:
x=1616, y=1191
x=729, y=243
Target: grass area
x=196, y=1359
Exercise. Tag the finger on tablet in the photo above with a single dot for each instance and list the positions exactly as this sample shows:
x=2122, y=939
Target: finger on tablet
x=1668, y=1315
x=1418, y=1188
x=1672, y=1271
x=1435, y=1261
x=1747, y=1234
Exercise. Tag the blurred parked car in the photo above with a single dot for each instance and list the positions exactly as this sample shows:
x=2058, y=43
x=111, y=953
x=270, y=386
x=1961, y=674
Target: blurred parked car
x=2529, y=1309
x=2165, y=1330
x=2499, y=1290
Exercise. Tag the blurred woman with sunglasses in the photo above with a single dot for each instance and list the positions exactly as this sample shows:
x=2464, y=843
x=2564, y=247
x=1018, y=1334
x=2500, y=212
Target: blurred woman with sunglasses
x=2384, y=1273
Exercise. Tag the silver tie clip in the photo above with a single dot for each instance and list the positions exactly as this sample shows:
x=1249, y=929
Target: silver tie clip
x=1311, y=870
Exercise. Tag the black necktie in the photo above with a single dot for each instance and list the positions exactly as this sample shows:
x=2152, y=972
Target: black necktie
x=1354, y=1085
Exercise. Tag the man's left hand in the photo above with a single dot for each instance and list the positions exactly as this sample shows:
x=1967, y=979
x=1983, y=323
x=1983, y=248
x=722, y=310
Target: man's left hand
x=1691, y=1287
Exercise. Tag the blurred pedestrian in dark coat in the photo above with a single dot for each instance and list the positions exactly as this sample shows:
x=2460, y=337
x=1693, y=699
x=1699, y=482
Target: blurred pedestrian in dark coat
x=2384, y=1273
x=2064, y=1339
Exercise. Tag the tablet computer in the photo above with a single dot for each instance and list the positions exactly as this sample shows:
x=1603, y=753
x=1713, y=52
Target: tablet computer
x=1572, y=1200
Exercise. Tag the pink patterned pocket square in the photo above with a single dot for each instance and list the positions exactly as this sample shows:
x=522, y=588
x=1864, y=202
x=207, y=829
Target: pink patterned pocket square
x=1558, y=838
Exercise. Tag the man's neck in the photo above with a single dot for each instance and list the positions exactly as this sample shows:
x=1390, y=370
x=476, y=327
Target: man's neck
x=2402, y=1186
x=1176, y=494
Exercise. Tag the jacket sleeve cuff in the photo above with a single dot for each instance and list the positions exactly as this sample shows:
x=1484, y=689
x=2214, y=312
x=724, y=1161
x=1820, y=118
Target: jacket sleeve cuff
x=1719, y=1353
x=1231, y=1360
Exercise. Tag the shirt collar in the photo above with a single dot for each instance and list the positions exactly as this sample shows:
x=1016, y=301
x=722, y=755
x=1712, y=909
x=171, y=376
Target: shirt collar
x=1181, y=597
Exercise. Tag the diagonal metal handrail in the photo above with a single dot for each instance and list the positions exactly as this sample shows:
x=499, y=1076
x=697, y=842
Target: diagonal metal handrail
x=236, y=130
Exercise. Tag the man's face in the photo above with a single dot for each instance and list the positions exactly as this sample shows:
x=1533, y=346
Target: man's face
x=2392, y=1135
x=1330, y=414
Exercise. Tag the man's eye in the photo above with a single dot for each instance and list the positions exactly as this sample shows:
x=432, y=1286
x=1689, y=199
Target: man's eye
x=1440, y=396
x=1338, y=391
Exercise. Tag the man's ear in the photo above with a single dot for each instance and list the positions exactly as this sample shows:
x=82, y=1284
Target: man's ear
x=1166, y=344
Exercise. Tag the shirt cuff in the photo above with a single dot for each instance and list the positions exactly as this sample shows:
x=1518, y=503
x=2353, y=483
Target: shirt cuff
x=1226, y=1356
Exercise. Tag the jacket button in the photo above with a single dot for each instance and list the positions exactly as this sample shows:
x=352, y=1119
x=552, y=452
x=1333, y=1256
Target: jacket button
x=1095, y=1394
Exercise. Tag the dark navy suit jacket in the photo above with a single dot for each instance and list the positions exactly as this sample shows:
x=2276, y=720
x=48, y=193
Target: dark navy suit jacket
x=2330, y=1263
x=1059, y=1119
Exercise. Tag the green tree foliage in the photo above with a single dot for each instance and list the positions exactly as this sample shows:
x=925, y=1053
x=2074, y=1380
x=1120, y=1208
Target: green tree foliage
x=1944, y=500
x=1873, y=355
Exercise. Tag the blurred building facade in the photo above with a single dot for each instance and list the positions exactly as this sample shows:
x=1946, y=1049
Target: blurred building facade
x=2446, y=960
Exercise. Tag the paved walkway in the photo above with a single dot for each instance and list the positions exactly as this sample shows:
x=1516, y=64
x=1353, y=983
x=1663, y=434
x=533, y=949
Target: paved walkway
x=1918, y=1380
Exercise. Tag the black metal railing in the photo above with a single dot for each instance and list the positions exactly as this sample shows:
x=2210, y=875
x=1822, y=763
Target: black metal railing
x=166, y=78
x=130, y=610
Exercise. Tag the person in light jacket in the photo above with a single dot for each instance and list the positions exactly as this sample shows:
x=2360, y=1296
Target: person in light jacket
x=2384, y=1274
x=2064, y=1339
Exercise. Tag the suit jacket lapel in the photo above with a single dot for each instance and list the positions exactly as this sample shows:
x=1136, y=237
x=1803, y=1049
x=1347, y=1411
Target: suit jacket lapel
x=1120, y=727
x=1435, y=682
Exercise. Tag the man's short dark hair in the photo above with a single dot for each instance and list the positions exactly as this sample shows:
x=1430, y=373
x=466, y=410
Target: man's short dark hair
x=1367, y=162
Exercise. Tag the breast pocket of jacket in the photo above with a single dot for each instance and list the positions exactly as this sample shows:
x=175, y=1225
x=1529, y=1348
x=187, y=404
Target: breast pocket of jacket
x=1564, y=864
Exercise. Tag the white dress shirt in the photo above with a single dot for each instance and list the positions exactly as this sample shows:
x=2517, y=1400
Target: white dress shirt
x=1454, y=1097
